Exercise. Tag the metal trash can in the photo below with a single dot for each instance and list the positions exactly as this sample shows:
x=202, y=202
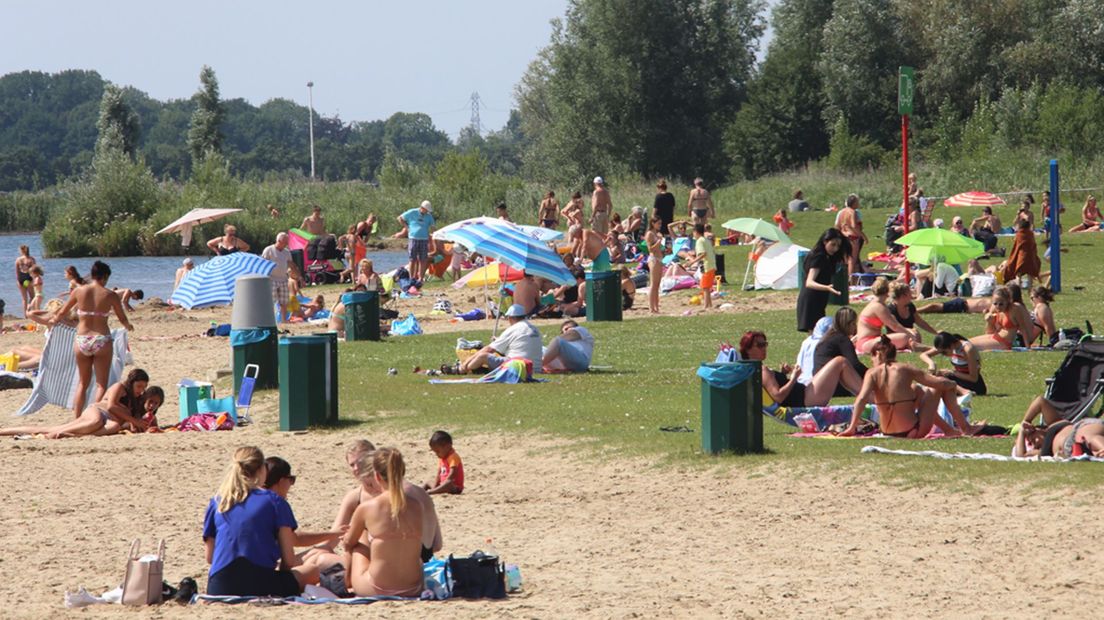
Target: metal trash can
x=840, y=280
x=603, y=296
x=731, y=407
x=303, y=382
x=255, y=346
x=361, y=316
x=331, y=376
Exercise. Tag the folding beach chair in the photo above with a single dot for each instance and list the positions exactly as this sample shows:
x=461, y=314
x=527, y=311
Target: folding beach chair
x=245, y=393
x=1079, y=381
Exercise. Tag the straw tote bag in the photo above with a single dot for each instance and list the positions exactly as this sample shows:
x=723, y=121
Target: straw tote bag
x=142, y=585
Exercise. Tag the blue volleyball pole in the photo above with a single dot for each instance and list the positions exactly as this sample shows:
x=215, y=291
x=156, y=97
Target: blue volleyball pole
x=1055, y=230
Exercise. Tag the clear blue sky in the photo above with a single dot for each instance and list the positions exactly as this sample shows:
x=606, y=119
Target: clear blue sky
x=367, y=59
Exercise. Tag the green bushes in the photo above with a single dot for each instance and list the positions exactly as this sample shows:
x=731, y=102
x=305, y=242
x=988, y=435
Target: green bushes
x=26, y=211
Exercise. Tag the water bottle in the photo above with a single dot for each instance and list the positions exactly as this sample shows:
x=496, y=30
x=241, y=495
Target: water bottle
x=489, y=548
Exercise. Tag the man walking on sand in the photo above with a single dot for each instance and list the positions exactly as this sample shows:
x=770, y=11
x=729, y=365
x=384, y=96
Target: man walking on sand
x=600, y=207
x=420, y=224
x=279, y=254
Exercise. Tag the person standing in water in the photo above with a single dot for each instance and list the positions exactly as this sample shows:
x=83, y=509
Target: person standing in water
x=23, y=277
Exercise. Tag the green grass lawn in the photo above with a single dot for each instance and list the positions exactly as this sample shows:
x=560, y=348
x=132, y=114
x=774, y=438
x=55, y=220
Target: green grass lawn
x=653, y=383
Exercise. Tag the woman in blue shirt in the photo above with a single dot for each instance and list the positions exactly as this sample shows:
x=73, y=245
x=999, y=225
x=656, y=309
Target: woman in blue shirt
x=247, y=530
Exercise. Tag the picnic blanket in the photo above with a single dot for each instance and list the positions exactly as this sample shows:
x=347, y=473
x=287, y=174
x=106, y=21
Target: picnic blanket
x=57, y=372
x=513, y=370
x=976, y=456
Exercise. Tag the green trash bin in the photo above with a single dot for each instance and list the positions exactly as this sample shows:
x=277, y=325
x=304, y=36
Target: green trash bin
x=303, y=363
x=732, y=414
x=603, y=296
x=255, y=346
x=361, y=316
x=331, y=376
x=839, y=280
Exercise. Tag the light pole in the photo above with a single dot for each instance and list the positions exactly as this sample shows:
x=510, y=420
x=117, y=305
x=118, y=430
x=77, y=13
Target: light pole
x=310, y=108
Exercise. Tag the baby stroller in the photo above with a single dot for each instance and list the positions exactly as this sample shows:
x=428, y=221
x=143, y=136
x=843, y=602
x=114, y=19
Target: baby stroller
x=1078, y=383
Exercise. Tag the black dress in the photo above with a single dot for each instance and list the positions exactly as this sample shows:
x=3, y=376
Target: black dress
x=664, y=209
x=812, y=303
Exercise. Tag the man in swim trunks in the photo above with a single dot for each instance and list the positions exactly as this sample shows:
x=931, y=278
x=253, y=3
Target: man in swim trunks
x=600, y=206
x=314, y=223
x=849, y=222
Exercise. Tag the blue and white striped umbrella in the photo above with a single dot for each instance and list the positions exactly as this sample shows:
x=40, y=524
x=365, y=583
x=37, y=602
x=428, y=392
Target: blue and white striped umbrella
x=212, y=283
x=508, y=243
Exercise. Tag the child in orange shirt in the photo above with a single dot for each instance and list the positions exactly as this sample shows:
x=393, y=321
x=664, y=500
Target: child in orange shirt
x=450, y=470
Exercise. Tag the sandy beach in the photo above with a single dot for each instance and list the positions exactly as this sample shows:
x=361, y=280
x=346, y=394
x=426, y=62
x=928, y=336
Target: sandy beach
x=595, y=536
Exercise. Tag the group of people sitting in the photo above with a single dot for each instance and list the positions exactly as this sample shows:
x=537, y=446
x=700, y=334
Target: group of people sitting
x=571, y=351
x=387, y=527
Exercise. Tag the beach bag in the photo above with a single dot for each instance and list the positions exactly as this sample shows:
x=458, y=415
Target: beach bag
x=406, y=327
x=477, y=576
x=142, y=584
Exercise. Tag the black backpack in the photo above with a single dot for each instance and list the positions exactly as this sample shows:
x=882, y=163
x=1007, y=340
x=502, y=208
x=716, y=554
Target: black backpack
x=327, y=248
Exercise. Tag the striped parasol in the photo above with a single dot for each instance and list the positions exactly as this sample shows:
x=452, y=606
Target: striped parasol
x=974, y=199
x=212, y=283
x=506, y=242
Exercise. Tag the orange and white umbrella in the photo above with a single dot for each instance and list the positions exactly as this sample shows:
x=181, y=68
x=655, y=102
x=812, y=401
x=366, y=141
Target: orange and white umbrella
x=185, y=223
x=974, y=199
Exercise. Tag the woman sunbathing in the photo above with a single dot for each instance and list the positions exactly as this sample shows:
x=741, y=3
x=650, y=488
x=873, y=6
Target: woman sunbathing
x=875, y=316
x=1061, y=439
x=1091, y=218
x=384, y=542
x=1042, y=317
x=784, y=387
x=120, y=409
x=907, y=398
x=958, y=305
x=1002, y=324
x=965, y=362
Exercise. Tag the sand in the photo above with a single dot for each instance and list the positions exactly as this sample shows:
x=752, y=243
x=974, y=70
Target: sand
x=594, y=535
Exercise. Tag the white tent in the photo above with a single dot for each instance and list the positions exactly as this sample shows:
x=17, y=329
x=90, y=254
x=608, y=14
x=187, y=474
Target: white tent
x=777, y=267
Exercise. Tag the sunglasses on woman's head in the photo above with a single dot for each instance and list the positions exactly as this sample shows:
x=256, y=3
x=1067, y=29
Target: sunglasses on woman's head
x=762, y=344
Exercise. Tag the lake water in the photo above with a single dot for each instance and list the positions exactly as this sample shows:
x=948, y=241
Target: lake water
x=153, y=274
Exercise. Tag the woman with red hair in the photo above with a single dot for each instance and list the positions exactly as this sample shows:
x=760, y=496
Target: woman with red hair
x=783, y=386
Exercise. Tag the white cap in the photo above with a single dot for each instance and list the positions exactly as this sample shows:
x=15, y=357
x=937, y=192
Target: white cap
x=515, y=310
x=599, y=181
x=938, y=223
x=187, y=260
x=427, y=206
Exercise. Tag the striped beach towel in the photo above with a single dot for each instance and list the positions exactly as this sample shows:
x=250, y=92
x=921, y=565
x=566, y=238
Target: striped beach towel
x=57, y=379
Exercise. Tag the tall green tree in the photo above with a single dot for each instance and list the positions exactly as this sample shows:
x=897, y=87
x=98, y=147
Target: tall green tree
x=117, y=125
x=647, y=88
x=862, y=51
x=781, y=125
x=205, y=134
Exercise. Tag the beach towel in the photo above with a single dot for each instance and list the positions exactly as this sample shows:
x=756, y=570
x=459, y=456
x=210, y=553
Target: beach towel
x=977, y=456
x=823, y=416
x=57, y=372
x=511, y=371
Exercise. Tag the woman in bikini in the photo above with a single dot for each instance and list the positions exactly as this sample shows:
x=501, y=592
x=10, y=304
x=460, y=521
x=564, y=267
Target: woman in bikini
x=783, y=386
x=965, y=362
x=700, y=206
x=228, y=243
x=656, y=249
x=383, y=547
x=875, y=316
x=74, y=278
x=1042, y=316
x=573, y=210
x=1002, y=324
x=1062, y=439
x=122, y=408
x=23, y=275
x=548, y=214
x=37, y=284
x=92, y=344
x=1090, y=217
x=907, y=398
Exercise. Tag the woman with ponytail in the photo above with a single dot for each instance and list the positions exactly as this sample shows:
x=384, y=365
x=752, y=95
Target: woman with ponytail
x=384, y=543
x=907, y=398
x=247, y=531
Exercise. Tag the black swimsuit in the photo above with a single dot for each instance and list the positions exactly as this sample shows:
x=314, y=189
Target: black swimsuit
x=796, y=397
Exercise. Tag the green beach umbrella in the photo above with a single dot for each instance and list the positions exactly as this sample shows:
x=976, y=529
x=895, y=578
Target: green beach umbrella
x=757, y=228
x=929, y=245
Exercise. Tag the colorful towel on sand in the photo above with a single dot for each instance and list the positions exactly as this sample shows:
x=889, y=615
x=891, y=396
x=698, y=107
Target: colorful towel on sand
x=976, y=456
x=514, y=370
x=268, y=601
x=206, y=422
x=824, y=416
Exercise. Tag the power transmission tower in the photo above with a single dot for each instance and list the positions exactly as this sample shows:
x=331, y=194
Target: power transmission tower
x=476, y=125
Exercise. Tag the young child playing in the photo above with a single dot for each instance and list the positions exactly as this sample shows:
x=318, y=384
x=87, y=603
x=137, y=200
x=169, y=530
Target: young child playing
x=450, y=470
x=703, y=253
